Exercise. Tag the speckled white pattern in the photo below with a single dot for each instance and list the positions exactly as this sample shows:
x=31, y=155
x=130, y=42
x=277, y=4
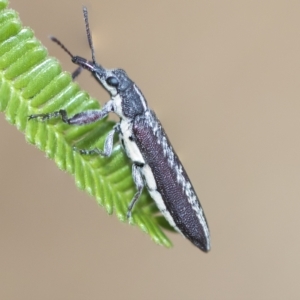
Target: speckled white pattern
x=186, y=185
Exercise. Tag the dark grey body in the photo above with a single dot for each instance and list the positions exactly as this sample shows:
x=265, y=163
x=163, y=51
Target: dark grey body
x=168, y=184
x=155, y=164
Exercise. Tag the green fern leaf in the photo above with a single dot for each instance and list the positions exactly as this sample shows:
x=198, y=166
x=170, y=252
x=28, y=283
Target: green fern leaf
x=31, y=82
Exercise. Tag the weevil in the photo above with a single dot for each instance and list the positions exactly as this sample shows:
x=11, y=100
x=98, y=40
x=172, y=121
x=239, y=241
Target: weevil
x=155, y=165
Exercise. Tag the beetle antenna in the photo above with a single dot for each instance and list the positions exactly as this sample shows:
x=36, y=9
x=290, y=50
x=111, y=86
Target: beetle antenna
x=77, y=72
x=88, y=32
x=60, y=44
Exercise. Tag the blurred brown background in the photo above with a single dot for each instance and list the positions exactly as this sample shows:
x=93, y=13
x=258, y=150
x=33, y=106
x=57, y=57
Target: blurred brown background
x=223, y=76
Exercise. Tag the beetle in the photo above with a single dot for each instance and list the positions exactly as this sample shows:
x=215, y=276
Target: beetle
x=155, y=165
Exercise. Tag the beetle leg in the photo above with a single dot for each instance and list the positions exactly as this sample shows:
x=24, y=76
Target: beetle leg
x=85, y=117
x=108, y=145
x=139, y=183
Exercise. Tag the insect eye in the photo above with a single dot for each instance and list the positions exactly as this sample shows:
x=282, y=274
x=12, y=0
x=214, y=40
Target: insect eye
x=112, y=81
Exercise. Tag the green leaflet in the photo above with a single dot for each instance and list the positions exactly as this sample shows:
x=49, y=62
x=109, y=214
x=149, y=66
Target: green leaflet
x=31, y=82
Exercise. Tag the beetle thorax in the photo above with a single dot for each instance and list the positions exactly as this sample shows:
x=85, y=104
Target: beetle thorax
x=129, y=103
